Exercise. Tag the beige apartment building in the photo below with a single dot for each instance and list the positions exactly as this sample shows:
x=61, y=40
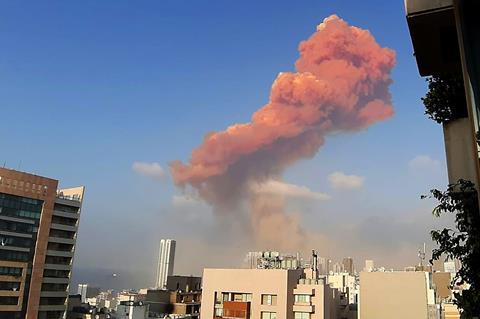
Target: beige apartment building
x=38, y=227
x=265, y=294
x=397, y=295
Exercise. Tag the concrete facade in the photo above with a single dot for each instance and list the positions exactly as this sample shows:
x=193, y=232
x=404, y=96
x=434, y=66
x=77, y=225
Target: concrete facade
x=275, y=293
x=395, y=295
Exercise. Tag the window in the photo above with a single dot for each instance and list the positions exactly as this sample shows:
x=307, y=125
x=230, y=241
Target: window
x=302, y=298
x=9, y=285
x=218, y=312
x=15, y=241
x=218, y=297
x=17, y=227
x=301, y=315
x=269, y=315
x=225, y=296
x=8, y=300
x=10, y=271
x=56, y=273
x=270, y=300
x=14, y=255
x=16, y=206
x=239, y=297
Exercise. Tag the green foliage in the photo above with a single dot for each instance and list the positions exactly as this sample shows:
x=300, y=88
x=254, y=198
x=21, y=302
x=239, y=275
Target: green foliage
x=462, y=243
x=445, y=99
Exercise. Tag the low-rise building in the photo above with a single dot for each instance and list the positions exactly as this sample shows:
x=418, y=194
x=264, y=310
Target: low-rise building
x=173, y=303
x=184, y=283
x=132, y=310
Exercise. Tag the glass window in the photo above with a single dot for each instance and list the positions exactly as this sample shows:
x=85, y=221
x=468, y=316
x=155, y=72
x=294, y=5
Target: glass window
x=270, y=300
x=16, y=206
x=8, y=300
x=225, y=296
x=302, y=298
x=14, y=255
x=10, y=271
x=301, y=315
x=9, y=285
x=269, y=315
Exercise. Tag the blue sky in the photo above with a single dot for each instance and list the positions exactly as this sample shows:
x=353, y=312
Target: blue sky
x=89, y=87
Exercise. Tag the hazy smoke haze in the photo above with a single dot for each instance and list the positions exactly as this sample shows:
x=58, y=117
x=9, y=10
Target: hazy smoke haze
x=340, y=85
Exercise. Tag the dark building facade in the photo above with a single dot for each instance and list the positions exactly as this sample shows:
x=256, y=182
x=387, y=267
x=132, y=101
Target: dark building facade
x=38, y=227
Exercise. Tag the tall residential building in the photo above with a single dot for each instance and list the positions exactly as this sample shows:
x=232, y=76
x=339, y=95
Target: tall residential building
x=266, y=294
x=38, y=230
x=86, y=291
x=347, y=264
x=337, y=268
x=82, y=291
x=324, y=265
x=369, y=265
x=166, y=256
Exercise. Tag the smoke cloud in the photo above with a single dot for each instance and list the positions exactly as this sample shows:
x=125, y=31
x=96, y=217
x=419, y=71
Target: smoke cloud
x=340, y=85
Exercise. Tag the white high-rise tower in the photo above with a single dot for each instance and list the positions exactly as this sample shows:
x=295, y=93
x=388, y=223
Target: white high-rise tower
x=166, y=256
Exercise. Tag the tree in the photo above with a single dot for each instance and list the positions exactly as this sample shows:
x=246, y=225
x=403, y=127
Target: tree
x=445, y=100
x=462, y=243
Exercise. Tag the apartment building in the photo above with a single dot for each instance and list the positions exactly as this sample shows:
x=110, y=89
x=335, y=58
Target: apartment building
x=166, y=261
x=265, y=294
x=38, y=227
x=397, y=295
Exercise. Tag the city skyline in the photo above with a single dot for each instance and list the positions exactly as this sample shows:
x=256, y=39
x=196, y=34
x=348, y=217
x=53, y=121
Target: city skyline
x=131, y=117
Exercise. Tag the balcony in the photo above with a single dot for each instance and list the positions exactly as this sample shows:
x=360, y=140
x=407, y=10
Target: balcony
x=236, y=310
x=52, y=280
x=303, y=308
x=52, y=308
x=434, y=35
x=59, y=294
x=63, y=227
x=70, y=198
x=59, y=240
x=66, y=214
x=58, y=253
x=57, y=267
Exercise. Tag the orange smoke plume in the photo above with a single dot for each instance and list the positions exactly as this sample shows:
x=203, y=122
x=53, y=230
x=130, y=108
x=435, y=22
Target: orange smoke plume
x=341, y=85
